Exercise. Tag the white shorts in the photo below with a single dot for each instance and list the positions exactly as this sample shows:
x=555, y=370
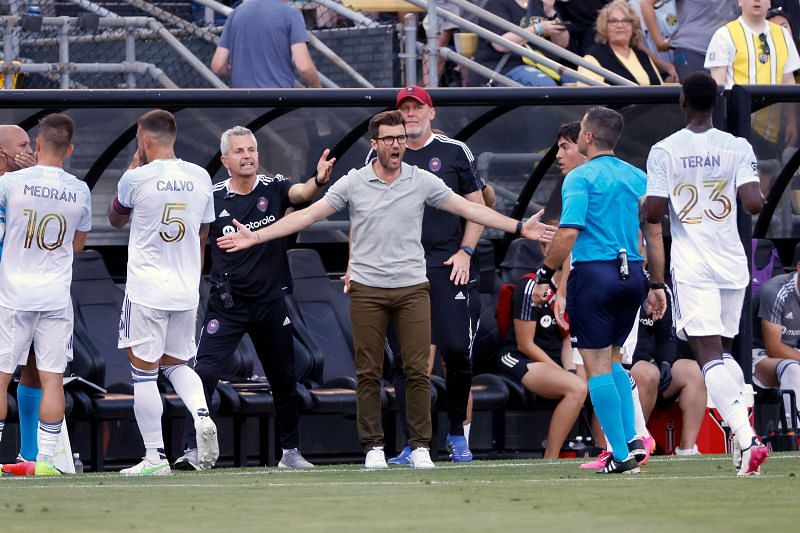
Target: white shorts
x=49, y=331
x=152, y=333
x=626, y=350
x=706, y=311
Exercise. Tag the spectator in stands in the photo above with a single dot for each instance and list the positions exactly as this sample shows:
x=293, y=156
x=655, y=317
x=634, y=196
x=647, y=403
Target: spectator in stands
x=31, y=310
x=537, y=17
x=385, y=200
x=535, y=349
x=15, y=154
x=449, y=243
x=752, y=50
x=247, y=295
x=663, y=376
x=580, y=20
x=696, y=22
x=260, y=43
x=169, y=204
x=776, y=356
x=618, y=46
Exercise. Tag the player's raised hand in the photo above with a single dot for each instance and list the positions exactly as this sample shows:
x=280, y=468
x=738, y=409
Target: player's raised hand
x=25, y=160
x=535, y=230
x=242, y=239
x=325, y=166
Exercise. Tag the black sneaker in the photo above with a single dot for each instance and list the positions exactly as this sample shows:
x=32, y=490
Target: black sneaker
x=636, y=448
x=628, y=466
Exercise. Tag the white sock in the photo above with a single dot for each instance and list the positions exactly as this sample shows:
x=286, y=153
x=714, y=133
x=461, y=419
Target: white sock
x=2, y=426
x=638, y=414
x=47, y=435
x=148, y=409
x=729, y=400
x=788, y=374
x=466, y=431
x=733, y=368
x=189, y=387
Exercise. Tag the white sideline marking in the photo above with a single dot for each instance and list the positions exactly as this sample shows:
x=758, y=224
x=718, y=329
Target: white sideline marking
x=603, y=479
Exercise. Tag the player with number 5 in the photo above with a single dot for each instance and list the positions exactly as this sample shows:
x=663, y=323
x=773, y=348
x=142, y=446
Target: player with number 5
x=48, y=214
x=169, y=205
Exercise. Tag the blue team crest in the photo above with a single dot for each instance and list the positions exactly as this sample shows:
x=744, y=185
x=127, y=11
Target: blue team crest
x=262, y=204
x=212, y=326
x=435, y=164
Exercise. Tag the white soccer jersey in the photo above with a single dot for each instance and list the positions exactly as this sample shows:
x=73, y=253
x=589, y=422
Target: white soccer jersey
x=44, y=206
x=170, y=199
x=700, y=173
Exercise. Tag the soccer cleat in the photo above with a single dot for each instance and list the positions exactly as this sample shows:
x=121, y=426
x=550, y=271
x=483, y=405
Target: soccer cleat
x=22, y=468
x=736, y=454
x=688, y=452
x=146, y=468
x=753, y=457
x=375, y=460
x=293, y=459
x=637, y=449
x=402, y=457
x=43, y=468
x=421, y=458
x=207, y=444
x=628, y=466
x=598, y=463
x=187, y=461
x=458, y=448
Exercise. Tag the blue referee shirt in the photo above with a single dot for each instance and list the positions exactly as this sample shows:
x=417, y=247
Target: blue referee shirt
x=601, y=198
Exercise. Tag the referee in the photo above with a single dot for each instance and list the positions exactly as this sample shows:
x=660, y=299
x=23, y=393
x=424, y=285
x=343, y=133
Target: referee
x=247, y=287
x=600, y=226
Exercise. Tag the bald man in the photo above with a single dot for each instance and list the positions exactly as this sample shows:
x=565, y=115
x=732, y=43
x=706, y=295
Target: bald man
x=15, y=154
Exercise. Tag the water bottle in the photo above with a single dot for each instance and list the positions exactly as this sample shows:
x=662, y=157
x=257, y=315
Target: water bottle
x=580, y=448
x=670, y=437
x=34, y=10
x=76, y=459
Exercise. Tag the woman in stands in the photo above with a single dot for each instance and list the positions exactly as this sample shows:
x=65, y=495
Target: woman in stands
x=617, y=48
x=535, y=347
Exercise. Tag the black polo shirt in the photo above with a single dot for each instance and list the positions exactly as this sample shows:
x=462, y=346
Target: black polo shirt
x=451, y=161
x=548, y=335
x=259, y=273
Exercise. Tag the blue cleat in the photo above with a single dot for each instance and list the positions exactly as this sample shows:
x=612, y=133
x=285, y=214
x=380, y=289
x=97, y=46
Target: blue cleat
x=402, y=458
x=458, y=448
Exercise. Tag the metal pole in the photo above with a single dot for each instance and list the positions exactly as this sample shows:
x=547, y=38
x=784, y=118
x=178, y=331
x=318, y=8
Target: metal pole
x=326, y=82
x=539, y=42
x=130, y=56
x=162, y=78
x=215, y=6
x=162, y=15
x=477, y=67
x=190, y=58
x=433, y=45
x=94, y=8
x=8, y=52
x=331, y=56
x=63, y=53
x=208, y=16
x=410, y=45
x=520, y=50
x=358, y=18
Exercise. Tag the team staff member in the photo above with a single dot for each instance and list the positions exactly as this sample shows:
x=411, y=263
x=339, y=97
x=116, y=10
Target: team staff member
x=248, y=287
x=606, y=286
x=449, y=243
x=386, y=200
x=48, y=214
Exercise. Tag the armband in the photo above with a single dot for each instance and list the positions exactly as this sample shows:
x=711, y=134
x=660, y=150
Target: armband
x=119, y=208
x=545, y=274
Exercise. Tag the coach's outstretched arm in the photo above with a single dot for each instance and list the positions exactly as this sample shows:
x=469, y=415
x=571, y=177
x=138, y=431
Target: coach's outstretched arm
x=291, y=223
x=480, y=214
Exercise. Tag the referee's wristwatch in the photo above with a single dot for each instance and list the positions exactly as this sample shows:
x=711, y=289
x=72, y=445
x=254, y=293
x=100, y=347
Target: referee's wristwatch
x=656, y=286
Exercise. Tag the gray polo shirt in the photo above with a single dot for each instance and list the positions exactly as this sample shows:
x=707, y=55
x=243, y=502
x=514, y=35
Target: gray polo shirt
x=386, y=223
x=779, y=303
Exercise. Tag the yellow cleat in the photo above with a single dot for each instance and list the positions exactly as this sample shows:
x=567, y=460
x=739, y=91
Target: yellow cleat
x=46, y=469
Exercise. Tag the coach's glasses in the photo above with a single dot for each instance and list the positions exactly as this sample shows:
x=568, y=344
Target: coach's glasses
x=390, y=139
x=763, y=57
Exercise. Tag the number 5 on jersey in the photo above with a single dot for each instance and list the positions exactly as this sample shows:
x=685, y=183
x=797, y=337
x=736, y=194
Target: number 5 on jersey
x=168, y=218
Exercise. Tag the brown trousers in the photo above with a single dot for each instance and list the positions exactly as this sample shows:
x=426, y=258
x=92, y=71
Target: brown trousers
x=371, y=309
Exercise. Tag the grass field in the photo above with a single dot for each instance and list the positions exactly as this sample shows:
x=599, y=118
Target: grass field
x=676, y=495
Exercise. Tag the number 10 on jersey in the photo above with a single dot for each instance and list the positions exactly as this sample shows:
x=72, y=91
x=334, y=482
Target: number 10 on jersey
x=32, y=229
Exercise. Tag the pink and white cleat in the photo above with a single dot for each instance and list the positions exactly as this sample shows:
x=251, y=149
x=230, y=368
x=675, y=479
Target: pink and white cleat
x=753, y=457
x=598, y=463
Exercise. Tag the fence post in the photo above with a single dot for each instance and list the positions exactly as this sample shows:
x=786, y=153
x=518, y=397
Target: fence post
x=433, y=48
x=130, y=56
x=410, y=45
x=63, y=53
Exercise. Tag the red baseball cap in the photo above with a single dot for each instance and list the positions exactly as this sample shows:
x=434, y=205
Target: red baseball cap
x=417, y=93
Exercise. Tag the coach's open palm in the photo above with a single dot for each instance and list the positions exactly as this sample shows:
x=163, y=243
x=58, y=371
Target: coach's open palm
x=537, y=231
x=242, y=239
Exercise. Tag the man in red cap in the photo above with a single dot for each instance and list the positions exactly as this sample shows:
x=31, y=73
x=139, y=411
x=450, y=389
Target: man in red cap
x=449, y=243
